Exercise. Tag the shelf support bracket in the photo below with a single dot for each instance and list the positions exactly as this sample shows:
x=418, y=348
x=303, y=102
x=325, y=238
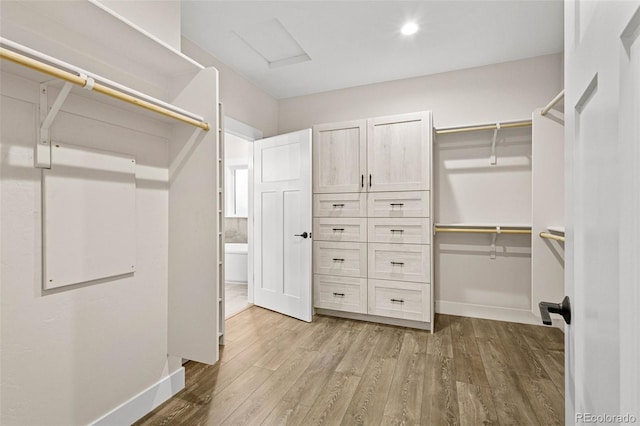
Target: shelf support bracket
x=492, y=250
x=494, y=157
x=47, y=116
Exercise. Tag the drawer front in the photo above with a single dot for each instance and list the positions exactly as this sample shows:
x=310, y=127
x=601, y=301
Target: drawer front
x=398, y=204
x=404, y=231
x=340, y=205
x=400, y=300
x=340, y=229
x=340, y=293
x=344, y=259
x=400, y=262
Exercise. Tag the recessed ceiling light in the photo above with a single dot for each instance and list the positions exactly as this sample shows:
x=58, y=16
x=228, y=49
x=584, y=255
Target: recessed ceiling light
x=409, y=28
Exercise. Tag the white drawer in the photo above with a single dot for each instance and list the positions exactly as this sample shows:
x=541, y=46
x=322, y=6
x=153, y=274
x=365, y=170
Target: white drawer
x=340, y=205
x=398, y=204
x=340, y=229
x=406, y=231
x=340, y=293
x=400, y=262
x=345, y=259
x=400, y=300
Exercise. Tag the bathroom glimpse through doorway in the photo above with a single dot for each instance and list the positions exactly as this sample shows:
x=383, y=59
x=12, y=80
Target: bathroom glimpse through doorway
x=238, y=211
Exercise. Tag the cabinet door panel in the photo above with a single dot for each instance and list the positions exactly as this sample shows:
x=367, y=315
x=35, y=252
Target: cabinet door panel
x=399, y=300
x=340, y=293
x=400, y=231
x=344, y=259
x=340, y=205
x=339, y=157
x=399, y=149
x=400, y=262
x=340, y=229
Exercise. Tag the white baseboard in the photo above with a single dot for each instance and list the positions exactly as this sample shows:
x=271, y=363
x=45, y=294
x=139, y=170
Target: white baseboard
x=491, y=312
x=143, y=403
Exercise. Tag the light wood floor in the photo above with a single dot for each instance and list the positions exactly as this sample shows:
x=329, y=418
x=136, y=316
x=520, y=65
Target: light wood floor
x=277, y=370
x=235, y=298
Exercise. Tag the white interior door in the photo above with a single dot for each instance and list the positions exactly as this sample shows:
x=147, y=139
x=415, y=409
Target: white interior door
x=602, y=107
x=282, y=214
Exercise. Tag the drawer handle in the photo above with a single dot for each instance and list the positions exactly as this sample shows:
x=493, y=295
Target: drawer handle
x=397, y=263
x=339, y=294
x=396, y=204
x=336, y=259
x=338, y=205
x=396, y=300
x=397, y=230
x=338, y=229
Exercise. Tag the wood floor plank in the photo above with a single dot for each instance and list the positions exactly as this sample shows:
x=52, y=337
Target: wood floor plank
x=553, y=364
x=276, y=370
x=214, y=409
x=466, y=355
x=522, y=359
x=333, y=401
x=440, y=395
x=404, y=402
x=512, y=405
x=547, y=402
x=370, y=398
x=268, y=395
x=476, y=405
x=360, y=351
x=440, y=341
x=287, y=413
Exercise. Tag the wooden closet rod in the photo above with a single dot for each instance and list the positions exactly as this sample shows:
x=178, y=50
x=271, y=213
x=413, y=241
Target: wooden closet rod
x=526, y=123
x=483, y=230
x=97, y=87
x=549, y=236
x=551, y=104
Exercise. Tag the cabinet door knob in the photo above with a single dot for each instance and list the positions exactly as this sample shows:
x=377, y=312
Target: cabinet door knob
x=336, y=259
x=338, y=229
x=397, y=263
x=362, y=180
x=338, y=205
x=369, y=180
x=339, y=294
x=397, y=230
x=397, y=300
x=396, y=204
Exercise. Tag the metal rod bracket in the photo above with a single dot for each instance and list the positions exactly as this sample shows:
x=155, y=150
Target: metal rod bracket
x=494, y=159
x=47, y=117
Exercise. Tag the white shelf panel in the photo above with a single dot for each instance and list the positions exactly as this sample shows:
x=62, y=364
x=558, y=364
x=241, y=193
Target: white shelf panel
x=484, y=225
x=556, y=229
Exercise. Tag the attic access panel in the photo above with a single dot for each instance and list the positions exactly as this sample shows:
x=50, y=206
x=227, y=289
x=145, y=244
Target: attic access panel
x=89, y=213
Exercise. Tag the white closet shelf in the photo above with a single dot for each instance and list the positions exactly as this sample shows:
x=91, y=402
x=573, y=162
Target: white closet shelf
x=104, y=28
x=484, y=225
x=36, y=66
x=556, y=229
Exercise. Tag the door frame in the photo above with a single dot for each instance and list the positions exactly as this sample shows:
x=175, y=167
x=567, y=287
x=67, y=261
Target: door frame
x=251, y=134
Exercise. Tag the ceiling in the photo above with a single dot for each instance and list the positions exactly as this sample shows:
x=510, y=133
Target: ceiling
x=294, y=48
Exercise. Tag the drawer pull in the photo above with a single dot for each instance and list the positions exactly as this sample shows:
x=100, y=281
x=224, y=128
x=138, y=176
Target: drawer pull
x=338, y=229
x=339, y=294
x=336, y=259
x=397, y=230
x=397, y=263
x=338, y=205
x=396, y=300
x=396, y=204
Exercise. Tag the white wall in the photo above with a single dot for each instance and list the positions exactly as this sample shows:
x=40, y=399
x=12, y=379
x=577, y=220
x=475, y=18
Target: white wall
x=241, y=99
x=69, y=356
x=495, y=92
x=467, y=188
x=160, y=18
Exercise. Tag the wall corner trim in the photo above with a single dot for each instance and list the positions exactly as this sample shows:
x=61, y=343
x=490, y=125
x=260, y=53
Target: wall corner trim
x=144, y=402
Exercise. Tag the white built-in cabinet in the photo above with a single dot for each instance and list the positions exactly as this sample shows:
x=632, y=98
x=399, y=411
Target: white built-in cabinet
x=372, y=256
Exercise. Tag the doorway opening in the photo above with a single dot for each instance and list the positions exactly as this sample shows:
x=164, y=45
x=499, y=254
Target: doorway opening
x=238, y=212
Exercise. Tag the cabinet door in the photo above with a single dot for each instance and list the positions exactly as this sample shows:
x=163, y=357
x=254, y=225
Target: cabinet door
x=399, y=150
x=339, y=157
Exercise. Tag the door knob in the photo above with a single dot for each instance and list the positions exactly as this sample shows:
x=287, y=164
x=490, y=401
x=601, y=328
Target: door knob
x=563, y=308
x=303, y=235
